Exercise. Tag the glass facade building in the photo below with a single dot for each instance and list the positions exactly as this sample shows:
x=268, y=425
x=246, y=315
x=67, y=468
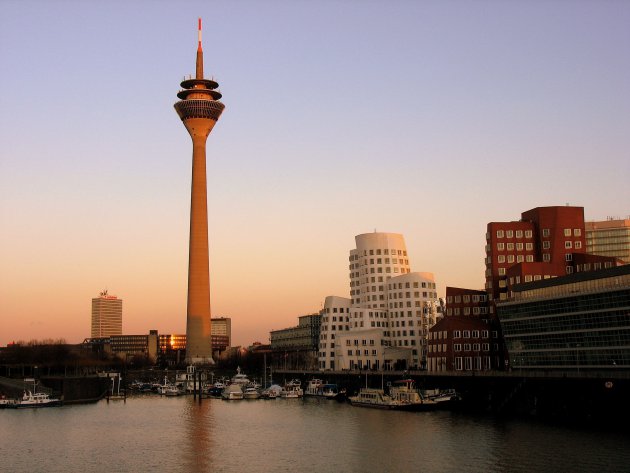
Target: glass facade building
x=580, y=321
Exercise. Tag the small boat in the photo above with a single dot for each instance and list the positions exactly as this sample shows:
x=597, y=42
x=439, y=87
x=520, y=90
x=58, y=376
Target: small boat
x=292, y=389
x=313, y=388
x=232, y=392
x=251, y=393
x=30, y=400
x=272, y=392
x=331, y=391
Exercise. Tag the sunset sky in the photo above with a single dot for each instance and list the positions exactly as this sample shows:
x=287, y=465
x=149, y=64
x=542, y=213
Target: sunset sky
x=426, y=118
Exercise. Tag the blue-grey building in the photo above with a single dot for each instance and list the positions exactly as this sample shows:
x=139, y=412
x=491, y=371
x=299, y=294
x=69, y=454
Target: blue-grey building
x=579, y=321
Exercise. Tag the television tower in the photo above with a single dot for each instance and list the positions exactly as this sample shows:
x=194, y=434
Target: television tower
x=199, y=109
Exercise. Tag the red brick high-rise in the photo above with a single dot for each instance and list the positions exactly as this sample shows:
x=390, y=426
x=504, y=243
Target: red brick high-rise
x=542, y=242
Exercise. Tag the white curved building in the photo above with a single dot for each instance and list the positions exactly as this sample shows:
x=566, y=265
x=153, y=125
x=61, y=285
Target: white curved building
x=335, y=321
x=389, y=312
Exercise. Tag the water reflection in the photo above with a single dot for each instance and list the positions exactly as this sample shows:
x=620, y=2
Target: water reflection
x=198, y=426
x=180, y=435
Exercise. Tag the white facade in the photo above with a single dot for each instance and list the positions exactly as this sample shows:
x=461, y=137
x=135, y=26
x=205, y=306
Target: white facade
x=390, y=310
x=335, y=320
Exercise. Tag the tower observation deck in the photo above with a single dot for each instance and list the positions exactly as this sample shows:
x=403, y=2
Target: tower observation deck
x=199, y=109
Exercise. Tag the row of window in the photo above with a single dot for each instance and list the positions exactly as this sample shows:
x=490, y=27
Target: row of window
x=443, y=334
x=466, y=298
x=517, y=246
x=380, y=261
x=467, y=311
x=510, y=234
x=515, y=258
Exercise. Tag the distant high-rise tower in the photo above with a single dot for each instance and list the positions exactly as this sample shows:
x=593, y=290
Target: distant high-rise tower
x=199, y=109
x=106, y=315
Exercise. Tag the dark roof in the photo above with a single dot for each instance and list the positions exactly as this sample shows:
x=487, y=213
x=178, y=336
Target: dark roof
x=573, y=278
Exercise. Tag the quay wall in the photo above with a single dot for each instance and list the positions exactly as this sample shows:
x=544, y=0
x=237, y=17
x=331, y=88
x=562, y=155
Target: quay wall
x=567, y=397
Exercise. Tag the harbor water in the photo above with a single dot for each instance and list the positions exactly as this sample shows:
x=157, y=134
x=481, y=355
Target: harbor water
x=152, y=433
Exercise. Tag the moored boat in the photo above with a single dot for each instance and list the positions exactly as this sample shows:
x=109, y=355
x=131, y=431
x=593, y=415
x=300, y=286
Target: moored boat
x=232, y=392
x=251, y=393
x=402, y=396
x=292, y=389
x=313, y=387
x=31, y=400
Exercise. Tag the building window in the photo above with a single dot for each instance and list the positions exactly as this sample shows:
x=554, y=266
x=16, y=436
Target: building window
x=529, y=258
x=577, y=232
x=546, y=245
x=519, y=233
x=569, y=269
x=466, y=334
x=510, y=246
x=546, y=257
x=501, y=258
x=568, y=244
x=500, y=234
x=458, y=363
x=567, y=232
x=500, y=246
x=520, y=258
x=545, y=232
x=510, y=259
x=528, y=234
x=568, y=257
x=578, y=245
x=457, y=334
x=509, y=234
x=529, y=246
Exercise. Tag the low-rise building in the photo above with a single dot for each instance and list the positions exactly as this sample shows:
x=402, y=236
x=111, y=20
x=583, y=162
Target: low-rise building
x=297, y=347
x=462, y=343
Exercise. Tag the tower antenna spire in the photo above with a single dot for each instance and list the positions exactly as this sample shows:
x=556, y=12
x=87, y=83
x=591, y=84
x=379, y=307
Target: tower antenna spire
x=199, y=48
x=199, y=72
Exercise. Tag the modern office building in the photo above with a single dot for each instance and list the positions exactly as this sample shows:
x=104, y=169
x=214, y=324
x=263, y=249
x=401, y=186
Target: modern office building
x=385, y=322
x=222, y=327
x=106, y=315
x=199, y=110
x=304, y=336
x=578, y=321
x=296, y=347
x=609, y=238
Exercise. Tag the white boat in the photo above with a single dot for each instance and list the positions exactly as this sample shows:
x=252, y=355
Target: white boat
x=30, y=399
x=232, y=392
x=313, y=387
x=402, y=396
x=240, y=378
x=292, y=389
x=251, y=393
x=191, y=379
x=331, y=391
x=173, y=390
x=272, y=392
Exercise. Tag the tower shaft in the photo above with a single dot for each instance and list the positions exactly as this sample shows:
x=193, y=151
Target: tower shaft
x=199, y=109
